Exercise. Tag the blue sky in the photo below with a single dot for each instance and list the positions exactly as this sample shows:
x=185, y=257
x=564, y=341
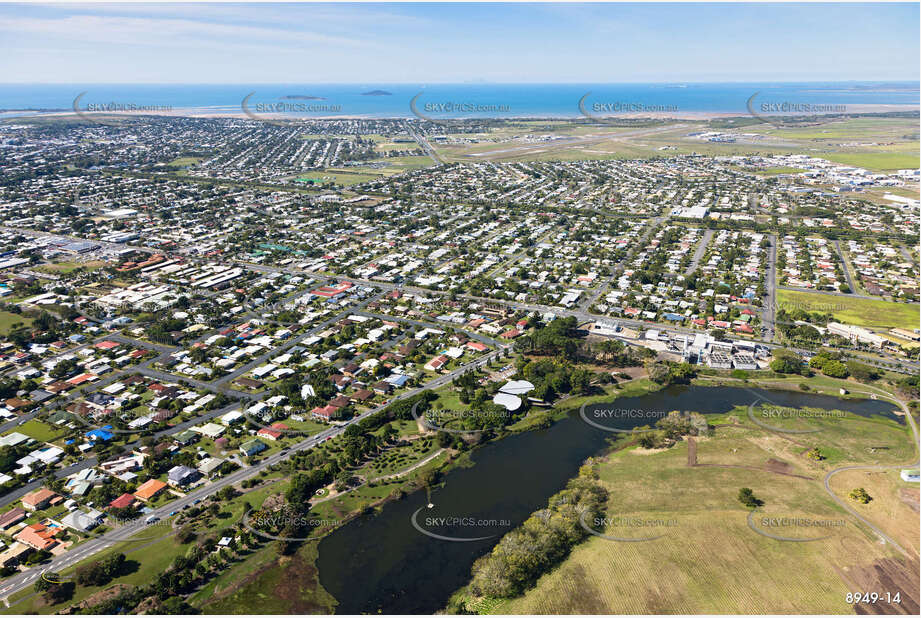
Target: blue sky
x=452, y=43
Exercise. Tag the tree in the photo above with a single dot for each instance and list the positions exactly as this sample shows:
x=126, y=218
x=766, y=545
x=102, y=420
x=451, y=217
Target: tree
x=102, y=571
x=658, y=373
x=53, y=589
x=815, y=454
x=860, y=495
x=786, y=361
x=862, y=372
x=747, y=497
x=835, y=369
x=581, y=381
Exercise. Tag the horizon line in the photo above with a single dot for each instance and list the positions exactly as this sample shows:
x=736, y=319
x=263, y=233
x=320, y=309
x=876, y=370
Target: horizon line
x=466, y=83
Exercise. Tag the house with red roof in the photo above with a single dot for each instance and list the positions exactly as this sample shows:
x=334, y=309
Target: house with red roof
x=82, y=379
x=326, y=412
x=273, y=431
x=437, y=363
x=38, y=536
x=122, y=502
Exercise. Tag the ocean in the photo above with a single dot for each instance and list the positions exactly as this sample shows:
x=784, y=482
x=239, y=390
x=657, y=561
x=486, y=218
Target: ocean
x=464, y=100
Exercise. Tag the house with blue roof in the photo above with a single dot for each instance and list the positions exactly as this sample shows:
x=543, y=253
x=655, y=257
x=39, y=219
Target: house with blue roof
x=397, y=379
x=102, y=434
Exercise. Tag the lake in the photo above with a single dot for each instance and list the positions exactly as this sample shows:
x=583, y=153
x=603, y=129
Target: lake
x=382, y=563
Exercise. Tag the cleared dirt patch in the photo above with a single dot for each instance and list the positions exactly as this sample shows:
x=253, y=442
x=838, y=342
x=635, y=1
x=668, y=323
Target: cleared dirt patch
x=780, y=467
x=886, y=575
x=910, y=497
x=692, y=452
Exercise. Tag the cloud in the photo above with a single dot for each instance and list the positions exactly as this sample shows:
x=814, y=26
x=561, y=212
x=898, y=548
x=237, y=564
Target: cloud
x=110, y=31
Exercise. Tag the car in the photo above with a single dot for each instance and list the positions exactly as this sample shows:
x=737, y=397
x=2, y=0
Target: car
x=152, y=519
x=196, y=500
x=173, y=513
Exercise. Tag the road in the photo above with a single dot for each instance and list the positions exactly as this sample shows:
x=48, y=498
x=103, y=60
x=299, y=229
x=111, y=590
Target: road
x=86, y=550
x=769, y=305
x=699, y=252
x=845, y=267
x=914, y=464
x=423, y=143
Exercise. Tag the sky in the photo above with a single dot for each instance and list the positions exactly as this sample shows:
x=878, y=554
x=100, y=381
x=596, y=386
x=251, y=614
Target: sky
x=455, y=43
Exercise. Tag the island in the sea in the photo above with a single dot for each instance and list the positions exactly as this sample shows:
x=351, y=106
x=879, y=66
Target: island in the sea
x=302, y=97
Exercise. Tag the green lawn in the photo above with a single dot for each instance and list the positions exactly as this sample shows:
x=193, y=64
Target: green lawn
x=877, y=161
x=342, y=177
x=269, y=584
x=399, y=458
x=7, y=320
x=40, y=431
x=870, y=313
x=185, y=161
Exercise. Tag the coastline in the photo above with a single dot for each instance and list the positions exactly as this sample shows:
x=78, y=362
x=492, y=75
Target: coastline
x=209, y=112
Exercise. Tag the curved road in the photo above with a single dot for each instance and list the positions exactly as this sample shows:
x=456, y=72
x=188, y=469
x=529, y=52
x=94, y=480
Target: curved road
x=913, y=464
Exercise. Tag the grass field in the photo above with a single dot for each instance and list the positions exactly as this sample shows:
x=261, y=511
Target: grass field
x=867, y=312
x=860, y=128
x=40, y=431
x=890, y=495
x=341, y=177
x=877, y=161
x=185, y=161
x=65, y=268
x=398, y=165
x=709, y=560
x=7, y=320
x=873, y=143
x=148, y=553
